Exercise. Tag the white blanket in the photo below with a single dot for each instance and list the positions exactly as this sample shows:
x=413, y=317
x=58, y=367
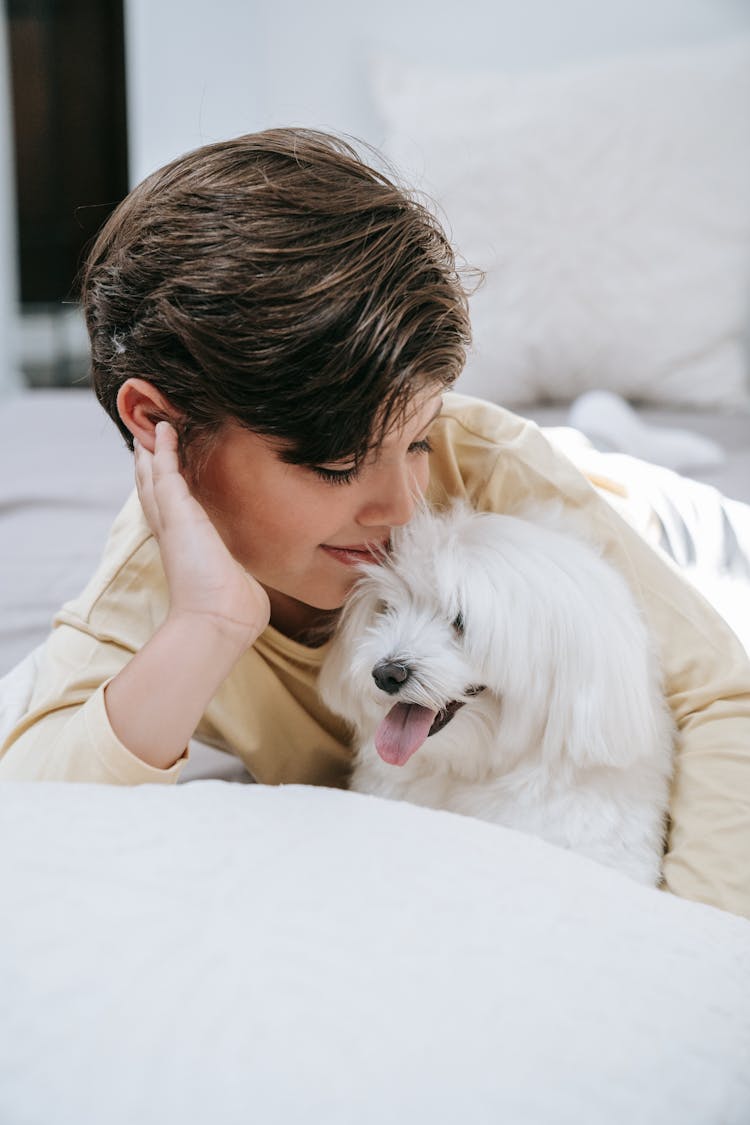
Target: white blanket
x=222, y=953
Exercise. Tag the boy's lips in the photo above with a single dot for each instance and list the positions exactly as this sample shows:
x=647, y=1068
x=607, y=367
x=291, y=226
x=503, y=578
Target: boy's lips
x=352, y=554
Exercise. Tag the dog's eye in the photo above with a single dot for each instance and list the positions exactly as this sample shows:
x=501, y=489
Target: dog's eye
x=382, y=608
x=458, y=624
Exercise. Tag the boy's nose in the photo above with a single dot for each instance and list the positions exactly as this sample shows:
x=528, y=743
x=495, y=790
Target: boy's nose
x=392, y=508
x=390, y=676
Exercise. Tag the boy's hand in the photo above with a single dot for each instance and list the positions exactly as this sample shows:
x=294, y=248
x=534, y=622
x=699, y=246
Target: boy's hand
x=203, y=576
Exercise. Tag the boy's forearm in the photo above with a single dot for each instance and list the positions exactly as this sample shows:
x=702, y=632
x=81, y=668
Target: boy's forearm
x=156, y=702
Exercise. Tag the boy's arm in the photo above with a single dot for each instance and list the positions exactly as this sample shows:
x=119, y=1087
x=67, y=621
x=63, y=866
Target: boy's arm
x=74, y=732
x=156, y=702
x=66, y=734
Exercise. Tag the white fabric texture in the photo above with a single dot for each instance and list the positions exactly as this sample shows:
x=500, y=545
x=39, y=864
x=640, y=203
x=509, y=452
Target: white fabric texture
x=223, y=953
x=703, y=532
x=609, y=205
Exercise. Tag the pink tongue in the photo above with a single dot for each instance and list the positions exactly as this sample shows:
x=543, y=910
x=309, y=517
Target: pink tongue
x=403, y=731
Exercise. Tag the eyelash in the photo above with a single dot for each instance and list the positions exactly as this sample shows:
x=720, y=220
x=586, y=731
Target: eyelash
x=346, y=476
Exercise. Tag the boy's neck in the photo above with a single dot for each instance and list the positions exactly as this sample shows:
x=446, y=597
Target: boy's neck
x=301, y=622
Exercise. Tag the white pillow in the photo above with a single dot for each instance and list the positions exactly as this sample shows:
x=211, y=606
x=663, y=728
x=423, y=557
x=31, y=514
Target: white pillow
x=610, y=206
x=226, y=953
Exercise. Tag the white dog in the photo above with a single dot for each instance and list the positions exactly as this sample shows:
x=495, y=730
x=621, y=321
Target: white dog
x=498, y=666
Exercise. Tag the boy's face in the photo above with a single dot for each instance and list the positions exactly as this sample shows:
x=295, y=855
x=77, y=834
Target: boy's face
x=288, y=526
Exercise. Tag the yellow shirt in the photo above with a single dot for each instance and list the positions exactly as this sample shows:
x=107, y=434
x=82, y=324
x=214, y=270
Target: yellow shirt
x=267, y=711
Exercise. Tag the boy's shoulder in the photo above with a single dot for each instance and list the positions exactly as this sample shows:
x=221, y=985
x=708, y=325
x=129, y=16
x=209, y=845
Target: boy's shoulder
x=496, y=459
x=475, y=420
x=468, y=440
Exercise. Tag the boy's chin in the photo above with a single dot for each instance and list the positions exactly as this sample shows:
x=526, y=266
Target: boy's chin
x=330, y=604
x=292, y=609
x=333, y=597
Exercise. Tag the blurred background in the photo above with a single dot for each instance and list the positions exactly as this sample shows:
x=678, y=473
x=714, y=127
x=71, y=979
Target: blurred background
x=94, y=94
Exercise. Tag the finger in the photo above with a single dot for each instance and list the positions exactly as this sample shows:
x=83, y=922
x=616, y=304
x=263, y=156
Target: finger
x=166, y=464
x=171, y=493
x=165, y=449
x=144, y=483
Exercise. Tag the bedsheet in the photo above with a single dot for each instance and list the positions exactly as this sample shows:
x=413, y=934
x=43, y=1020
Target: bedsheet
x=289, y=954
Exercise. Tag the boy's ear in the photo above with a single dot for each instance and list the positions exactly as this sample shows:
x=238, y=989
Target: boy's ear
x=141, y=406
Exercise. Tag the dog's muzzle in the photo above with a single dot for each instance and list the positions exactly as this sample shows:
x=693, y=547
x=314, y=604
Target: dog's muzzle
x=390, y=676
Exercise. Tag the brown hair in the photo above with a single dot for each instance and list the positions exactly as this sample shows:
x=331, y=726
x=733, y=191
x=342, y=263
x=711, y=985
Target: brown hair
x=277, y=280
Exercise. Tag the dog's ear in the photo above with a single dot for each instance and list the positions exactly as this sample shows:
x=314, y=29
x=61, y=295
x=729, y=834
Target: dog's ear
x=562, y=640
x=608, y=699
x=615, y=733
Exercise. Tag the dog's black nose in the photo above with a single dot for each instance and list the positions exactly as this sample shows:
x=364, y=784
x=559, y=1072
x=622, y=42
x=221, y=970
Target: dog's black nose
x=390, y=676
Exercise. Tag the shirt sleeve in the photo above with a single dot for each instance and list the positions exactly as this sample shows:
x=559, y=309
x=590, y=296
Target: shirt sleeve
x=706, y=670
x=66, y=734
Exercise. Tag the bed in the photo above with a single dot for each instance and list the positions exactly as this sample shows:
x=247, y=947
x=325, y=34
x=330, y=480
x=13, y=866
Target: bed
x=220, y=951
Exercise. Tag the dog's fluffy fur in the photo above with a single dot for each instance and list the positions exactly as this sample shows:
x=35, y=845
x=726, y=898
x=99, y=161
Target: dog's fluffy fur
x=520, y=631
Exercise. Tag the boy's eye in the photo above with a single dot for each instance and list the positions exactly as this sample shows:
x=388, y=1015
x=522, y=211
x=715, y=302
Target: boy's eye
x=346, y=476
x=335, y=476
